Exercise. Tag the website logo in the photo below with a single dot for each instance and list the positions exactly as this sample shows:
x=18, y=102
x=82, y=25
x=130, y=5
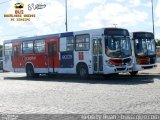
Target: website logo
x=33, y=6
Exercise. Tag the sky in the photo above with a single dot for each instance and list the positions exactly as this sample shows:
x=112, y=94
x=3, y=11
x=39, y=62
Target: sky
x=134, y=15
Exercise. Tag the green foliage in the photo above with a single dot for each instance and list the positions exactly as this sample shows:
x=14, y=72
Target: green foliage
x=158, y=42
x=1, y=50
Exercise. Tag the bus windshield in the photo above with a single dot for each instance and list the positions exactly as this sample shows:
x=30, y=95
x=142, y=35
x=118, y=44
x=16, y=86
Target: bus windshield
x=145, y=47
x=118, y=46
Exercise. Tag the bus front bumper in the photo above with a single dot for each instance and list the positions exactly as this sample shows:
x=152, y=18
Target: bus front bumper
x=117, y=69
x=144, y=67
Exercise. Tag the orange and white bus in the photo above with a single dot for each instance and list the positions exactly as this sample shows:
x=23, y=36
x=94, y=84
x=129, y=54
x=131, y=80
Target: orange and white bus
x=144, y=51
x=96, y=51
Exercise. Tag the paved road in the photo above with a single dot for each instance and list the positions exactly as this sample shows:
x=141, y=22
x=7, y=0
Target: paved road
x=67, y=94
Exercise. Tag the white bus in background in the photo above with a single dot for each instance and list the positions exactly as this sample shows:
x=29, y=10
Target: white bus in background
x=87, y=52
x=143, y=50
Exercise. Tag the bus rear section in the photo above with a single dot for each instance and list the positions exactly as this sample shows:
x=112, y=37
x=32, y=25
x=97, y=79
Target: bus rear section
x=117, y=51
x=144, y=51
x=7, y=56
x=33, y=55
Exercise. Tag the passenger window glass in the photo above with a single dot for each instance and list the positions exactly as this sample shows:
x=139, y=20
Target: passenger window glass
x=62, y=44
x=8, y=49
x=82, y=42
x=28, y=47
x=67, y=43
x=39, y=46
x=70, y=44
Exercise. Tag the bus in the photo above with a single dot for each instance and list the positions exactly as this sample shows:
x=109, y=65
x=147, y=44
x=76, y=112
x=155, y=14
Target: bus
x=87, y=52
x=144, y=51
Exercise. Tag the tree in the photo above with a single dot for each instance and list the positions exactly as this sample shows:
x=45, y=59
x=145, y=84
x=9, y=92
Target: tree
x=158, y=42
x=1, y=50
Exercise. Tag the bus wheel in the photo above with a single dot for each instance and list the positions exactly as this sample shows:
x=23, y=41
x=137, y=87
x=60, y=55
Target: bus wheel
x=30, y=71
x=133, y=73
x=83, y=71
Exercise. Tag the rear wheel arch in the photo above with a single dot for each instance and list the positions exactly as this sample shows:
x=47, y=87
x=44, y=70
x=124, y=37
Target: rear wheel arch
x=82, y=70
x=30, y=70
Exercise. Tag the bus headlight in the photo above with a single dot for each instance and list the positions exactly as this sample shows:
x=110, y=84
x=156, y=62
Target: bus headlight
x=127, y=61
x=130, y=62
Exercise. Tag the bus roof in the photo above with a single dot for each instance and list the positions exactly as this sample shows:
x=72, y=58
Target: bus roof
x=32, y=38
x=116, y=31
x=142, y=35
x=64, y=34
x=139, y=32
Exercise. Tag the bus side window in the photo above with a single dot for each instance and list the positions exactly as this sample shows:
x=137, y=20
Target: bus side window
x=82, y=42
x=27, y=47
x=39, y=46
x=8, y=49
x=66, y=43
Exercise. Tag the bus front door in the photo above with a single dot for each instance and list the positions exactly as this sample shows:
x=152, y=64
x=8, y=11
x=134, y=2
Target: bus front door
x=97, y=55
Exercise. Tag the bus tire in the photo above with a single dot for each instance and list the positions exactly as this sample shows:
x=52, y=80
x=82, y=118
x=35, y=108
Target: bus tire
x=83, y=71
x=36, y=75
x=133, y=73
x=30, y=71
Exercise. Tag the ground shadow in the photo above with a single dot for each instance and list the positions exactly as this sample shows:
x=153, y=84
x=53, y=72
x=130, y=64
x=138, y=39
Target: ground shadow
x=122, y=79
